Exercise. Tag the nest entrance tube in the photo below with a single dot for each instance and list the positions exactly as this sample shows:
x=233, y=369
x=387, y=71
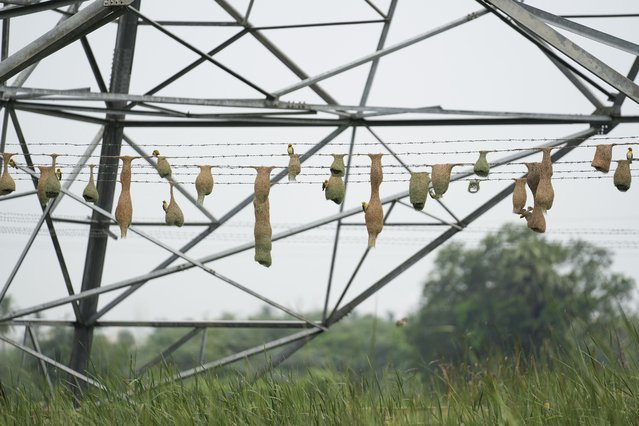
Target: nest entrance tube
x=294, y=167
x=204, y=183
x=7, y=184
x=90, y=193
x=173, y=215
x=546, y=162
x=374, y=214
x=262, y=230
x=124, y=209
x=622, y=178
x=418, y=189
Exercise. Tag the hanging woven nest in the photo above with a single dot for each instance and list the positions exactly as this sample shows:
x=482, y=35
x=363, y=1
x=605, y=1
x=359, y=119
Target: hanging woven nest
x=536, y=220
x=294, y=167
x=441, y=179
x=602, y=158
x=337, y=167
x=263, y=233
x=482, y=167
x=262, y=186
x=262, y=230
x=163, y=166
x=173, y=213
x=335, y=189
x=519, y=195
x=7, y=184
x=418, y=189
x=45, y=171
x=374, y=214
x=546, y=162
x=534, y=174
x=124, y=209
x=90, y=193
x=622, y=178
x=545, y=194
x=52, y=185
x=204, y=183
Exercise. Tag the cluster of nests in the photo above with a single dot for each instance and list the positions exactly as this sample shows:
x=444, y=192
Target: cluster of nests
x=539, y=181
x=421, y=185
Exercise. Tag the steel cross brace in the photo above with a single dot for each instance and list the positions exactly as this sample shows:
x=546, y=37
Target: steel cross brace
x=86, y=20
x=567, y=47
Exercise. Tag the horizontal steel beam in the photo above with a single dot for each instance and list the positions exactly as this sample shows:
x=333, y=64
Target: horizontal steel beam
x=167, y=324
x=301, y=122
x=86, y=20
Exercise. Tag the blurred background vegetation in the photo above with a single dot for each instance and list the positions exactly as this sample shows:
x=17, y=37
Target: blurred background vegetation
x=516, y=294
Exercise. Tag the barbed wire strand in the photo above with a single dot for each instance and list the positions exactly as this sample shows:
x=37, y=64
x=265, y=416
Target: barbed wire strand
x=338, y=143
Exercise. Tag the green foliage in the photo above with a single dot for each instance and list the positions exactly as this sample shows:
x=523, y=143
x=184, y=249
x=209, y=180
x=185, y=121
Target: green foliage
x=515, y=291
x=577, y=388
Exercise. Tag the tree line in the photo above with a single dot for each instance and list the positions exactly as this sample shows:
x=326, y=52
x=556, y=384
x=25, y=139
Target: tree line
x=514, y=294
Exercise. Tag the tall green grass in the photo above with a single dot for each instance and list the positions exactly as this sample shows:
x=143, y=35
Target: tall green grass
x=593, y=383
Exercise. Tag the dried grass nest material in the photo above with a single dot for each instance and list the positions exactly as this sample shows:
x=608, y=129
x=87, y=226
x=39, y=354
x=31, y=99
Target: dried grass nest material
x=173, y=214
x=204, y=183
x=440, y=179
x=533, y=176
x=482, y=167
x=622, y=178
x=262, y=230
x=536, y=220
x=52, y=185
x=7, y=184
x=546, y=162
x=90, y=193
x=45, y=171
x=163, y=167
x=545, y=195
x=294, y=167
x=335, y=189
x=519, y=196
x=337, y=167
x=124, y=209
x=418, y=189
x=374, y=214
x=603, y=157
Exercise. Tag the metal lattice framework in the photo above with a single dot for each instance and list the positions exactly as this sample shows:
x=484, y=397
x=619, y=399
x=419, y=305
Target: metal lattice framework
x=121, y=111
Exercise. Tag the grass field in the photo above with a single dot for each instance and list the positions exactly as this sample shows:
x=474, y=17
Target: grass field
x=579, y=388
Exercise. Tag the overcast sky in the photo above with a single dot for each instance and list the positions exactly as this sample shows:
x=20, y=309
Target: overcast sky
x=482, y=65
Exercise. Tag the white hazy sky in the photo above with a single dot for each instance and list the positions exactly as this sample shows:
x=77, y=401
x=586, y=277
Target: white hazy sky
x=481, y=65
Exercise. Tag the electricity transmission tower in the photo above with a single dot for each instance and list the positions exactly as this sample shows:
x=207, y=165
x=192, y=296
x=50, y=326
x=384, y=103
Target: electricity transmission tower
x=115, y=112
